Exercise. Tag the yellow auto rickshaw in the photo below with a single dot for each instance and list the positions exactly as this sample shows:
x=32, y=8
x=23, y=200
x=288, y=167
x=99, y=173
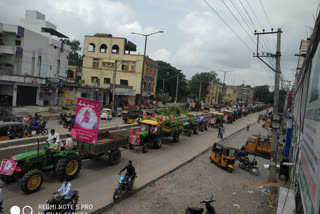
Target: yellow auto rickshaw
x=223, y=156
x=11, y=130
x=267, y=124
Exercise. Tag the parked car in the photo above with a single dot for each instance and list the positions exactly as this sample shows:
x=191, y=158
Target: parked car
x=106, y=114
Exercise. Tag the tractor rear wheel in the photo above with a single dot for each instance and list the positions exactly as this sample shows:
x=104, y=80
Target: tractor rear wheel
x=157, y=143
x=206, y=126
x=68, y=167
x=196, y=130
x=176, y=137
x=31, y=181
x=115, y=157
x=145, y=148
x=202, y=127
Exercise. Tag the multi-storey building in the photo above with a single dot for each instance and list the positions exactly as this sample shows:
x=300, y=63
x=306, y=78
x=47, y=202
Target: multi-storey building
x=33, y=62
x=104, y=56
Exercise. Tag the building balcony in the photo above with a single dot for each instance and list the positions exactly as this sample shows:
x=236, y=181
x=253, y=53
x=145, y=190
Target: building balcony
x=10, y=50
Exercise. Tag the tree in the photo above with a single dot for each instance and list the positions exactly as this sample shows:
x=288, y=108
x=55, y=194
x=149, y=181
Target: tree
x=206, y=78
x=75, y=57
x=263, y=94
x=169, y=74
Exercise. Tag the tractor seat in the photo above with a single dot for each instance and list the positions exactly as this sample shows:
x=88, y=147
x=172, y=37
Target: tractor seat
x=195, y=210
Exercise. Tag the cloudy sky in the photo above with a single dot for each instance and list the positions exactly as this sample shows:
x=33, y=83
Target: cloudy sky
x=195, y=38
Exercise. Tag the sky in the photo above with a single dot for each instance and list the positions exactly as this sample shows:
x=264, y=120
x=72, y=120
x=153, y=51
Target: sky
x=195, y=38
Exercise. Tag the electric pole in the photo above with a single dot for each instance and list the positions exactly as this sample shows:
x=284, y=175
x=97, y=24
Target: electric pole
x=200, y=90
x=177, y=89
x=163, y=87
x=275, y=119
x=224, y=83
x=242, y=90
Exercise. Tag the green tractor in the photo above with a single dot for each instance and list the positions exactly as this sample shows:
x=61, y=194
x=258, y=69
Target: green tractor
x=189, y=127
x=29, y=167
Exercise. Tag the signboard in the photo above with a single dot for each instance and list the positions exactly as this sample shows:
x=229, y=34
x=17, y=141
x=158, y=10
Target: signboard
x=54, y=82
x=146, y=94
x=125, y=92
x=7, y=167
x=87, y=120
x=310, y=152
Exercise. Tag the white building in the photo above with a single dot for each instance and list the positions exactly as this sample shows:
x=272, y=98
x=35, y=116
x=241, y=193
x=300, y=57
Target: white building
x=32, y=61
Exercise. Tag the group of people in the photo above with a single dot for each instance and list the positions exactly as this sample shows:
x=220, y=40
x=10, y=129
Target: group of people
x=55, y=143
x=149, y=128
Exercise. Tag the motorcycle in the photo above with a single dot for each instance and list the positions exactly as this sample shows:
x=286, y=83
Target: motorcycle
x=41, y=129
x=209, y=207
x=62, y=118
x=58, y=205
x=122, y=186
x=249, y=165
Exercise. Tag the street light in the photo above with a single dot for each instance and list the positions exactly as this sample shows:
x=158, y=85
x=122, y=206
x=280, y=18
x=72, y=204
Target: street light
x=144, y=55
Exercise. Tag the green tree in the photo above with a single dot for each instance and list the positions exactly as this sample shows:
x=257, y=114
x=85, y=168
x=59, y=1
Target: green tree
x=206, y=78
x=263, y=94
x=75, y=57
x=169, y=74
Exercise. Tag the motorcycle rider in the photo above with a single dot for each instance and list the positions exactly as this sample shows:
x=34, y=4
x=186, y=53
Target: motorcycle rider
x=65, y=191
x=130, y=174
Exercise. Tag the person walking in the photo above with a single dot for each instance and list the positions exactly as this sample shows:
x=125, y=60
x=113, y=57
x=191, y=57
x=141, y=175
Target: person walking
x=219, y=126
x=248, y=125
x=221, y=131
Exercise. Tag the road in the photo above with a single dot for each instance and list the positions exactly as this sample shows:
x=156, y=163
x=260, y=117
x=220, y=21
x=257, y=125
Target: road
x=98, y=179
x=195, y=181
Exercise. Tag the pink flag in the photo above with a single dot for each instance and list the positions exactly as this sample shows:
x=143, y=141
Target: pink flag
x=161, y=118
x=137, y=138
x=145, y=115
x=154, y=115
x=130, y=135
x=171, y=118
x=73, y=133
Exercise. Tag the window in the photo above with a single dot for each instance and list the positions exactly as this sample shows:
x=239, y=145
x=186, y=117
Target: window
x=123, y=82
x=115, y=49
x=133, y=68
x=95, y=62
x=91, y=47
x=125, y=67
x=70, y=74
x=94, y=79
x=18, y=43
x=103, y=48
x=58, y=66
x=106, y=80
x=108, y=64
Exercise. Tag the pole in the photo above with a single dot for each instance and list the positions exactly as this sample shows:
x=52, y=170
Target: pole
x=177, y=88
x=200, y=90
x=275, y=121
x=142, y=75
x=114, y=84
x=163, y=87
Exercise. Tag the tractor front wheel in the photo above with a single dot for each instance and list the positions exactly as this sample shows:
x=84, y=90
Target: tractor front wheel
x=8, y=179
x=31, y=181
x=68, y=167
x=176, y=137
x=196, y=130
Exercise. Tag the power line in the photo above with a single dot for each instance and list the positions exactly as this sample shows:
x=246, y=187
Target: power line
x=264, y=45
x=242, y=15
x=237, y=21
x=245, y=44
x=255, y=15
x=267, y=17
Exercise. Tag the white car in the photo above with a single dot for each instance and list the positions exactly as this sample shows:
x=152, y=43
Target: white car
x=106, y=114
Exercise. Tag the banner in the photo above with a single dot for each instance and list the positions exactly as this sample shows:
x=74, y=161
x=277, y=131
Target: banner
x=87, y=120
x=54, y=82
x=7, y=167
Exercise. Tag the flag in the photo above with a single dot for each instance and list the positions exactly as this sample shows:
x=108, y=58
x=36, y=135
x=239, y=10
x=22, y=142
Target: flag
x=161, y=118
x=171, y=118
x=154, y=115
x=145, y=115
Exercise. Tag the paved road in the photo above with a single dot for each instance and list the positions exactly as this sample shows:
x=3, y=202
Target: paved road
x=195, y=181
x=98, y=179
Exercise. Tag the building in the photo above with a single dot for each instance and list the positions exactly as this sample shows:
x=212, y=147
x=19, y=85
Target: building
x=105, y=54
x=243, y=93
x=33, y=62
x=231, y=95
x=304, y=44
x=212, y=97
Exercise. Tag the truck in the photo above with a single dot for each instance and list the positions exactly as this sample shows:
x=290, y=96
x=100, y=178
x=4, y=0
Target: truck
x=30, y=167
x=258, y=145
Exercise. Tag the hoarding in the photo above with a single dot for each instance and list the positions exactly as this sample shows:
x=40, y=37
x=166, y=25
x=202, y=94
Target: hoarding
x=310, y=151
x=87, y=120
